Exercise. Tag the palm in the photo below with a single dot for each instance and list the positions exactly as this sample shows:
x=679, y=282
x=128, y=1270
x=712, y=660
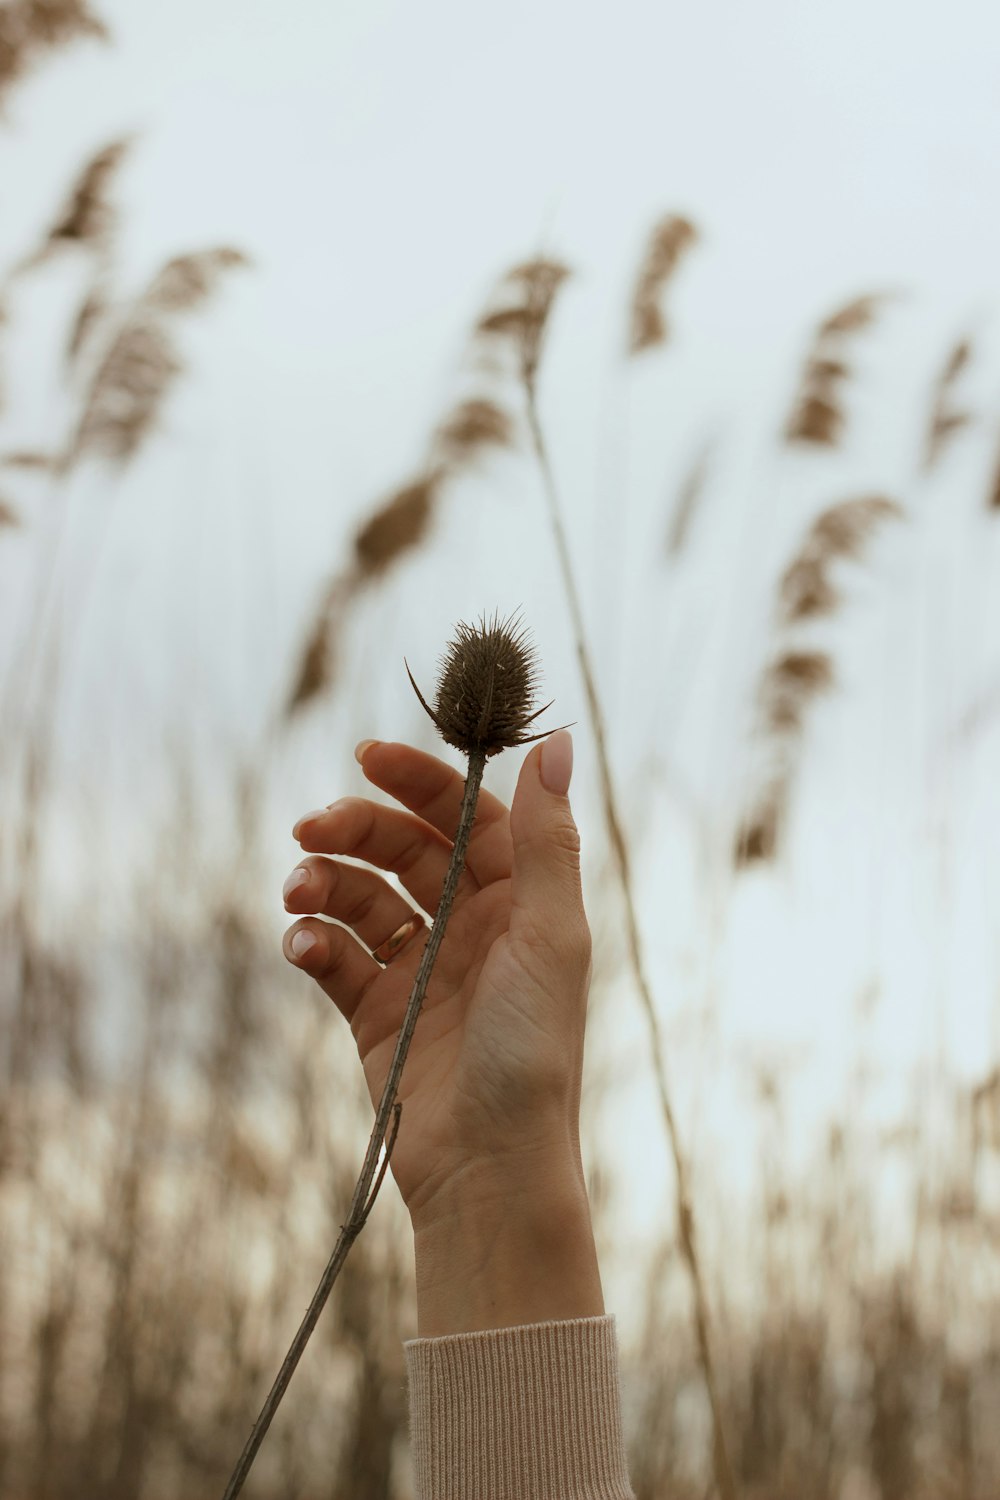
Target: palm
x=452, y=1069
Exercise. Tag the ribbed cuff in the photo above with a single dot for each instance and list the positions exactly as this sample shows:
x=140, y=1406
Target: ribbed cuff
x=525, y=1413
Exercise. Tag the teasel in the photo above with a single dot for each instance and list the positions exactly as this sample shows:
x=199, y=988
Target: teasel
x=487, y=685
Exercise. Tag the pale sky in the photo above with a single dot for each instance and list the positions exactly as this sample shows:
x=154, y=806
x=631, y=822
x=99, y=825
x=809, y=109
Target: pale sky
x=382, y=163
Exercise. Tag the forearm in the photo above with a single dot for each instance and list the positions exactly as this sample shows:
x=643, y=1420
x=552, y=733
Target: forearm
x=507, y=1249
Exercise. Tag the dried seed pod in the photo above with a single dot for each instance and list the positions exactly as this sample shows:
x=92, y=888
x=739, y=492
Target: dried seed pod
x=486, y=688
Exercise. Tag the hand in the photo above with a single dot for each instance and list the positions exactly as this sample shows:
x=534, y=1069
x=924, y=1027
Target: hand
x=491, y=1085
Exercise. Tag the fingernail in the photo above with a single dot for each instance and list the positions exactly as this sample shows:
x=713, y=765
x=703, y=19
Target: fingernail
x=309, y=817
x=557, y=762
x=296, y=878
x=302, y=942
x=361, y=747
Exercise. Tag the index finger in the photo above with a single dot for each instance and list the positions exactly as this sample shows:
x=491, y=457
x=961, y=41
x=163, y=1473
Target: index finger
x=434, y=790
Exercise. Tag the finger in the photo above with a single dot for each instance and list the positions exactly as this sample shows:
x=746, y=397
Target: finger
x=434, y=790
x=363, y=900
x=391, y=840
x=546, y=892
x=335, y=959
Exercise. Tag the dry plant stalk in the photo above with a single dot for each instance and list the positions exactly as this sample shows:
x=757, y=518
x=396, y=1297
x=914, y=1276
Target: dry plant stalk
x=690, y=493
x=92, y=311
x=669, y=240
x=484, y=704
x=818, y=415
x=526, y=334
x=946, y=418
x=993, y=498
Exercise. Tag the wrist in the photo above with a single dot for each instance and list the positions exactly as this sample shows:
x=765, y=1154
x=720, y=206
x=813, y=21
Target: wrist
x=503, y=1248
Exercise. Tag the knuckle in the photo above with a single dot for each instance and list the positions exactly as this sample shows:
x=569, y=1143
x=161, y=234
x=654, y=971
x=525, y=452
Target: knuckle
x=565, y=939
x=403, y=861
x=563, y=838
x=330, y=952
x=359, y=909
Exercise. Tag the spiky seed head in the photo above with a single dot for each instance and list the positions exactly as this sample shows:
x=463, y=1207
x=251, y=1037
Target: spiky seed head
x=487, y=684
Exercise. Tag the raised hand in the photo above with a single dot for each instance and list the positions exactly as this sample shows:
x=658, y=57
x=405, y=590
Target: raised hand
x=491, y=1086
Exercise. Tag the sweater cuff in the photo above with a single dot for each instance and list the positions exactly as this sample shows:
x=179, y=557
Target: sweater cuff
x=525, y=1413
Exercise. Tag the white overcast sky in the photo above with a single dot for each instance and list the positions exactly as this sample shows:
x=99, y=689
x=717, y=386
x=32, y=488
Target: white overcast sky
x=383, y=162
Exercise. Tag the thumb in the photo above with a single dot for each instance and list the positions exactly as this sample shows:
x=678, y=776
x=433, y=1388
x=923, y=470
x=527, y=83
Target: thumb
x=546, y=894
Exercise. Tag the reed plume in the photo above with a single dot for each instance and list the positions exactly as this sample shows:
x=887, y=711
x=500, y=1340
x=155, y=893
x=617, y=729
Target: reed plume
x=141, y=362
x=525, y=296
x=859, y=313
x=398, y=526
x=471, y=428
x=484, y=704
x=315, y=665
x=670, y=239
x=789, y=684
x=946, y=418
x=89, y=217
x=475, y=426
x=805, y=590
x=794, y=678
x=818, y=415
x=31, y=28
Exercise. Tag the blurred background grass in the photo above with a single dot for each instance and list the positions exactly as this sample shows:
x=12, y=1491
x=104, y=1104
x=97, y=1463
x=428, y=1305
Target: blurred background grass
x=259, y=440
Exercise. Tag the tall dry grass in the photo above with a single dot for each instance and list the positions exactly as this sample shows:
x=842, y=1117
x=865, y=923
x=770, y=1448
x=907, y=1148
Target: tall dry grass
x=161, y=1202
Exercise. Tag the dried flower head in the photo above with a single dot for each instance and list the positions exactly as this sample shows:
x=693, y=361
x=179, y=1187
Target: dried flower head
x=487, y=685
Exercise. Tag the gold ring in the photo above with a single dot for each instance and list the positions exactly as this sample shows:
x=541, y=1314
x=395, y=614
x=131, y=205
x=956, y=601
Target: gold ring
x=399, y=939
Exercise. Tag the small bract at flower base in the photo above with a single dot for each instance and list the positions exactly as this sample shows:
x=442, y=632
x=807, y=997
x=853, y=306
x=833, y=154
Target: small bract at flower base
x=487, y=684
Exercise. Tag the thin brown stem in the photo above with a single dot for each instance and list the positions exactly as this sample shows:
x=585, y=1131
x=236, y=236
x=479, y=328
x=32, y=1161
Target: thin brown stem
x=723, y=1469
x=362, y=1201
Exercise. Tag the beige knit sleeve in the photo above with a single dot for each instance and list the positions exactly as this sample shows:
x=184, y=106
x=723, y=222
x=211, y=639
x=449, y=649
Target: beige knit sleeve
x=525, y=1413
